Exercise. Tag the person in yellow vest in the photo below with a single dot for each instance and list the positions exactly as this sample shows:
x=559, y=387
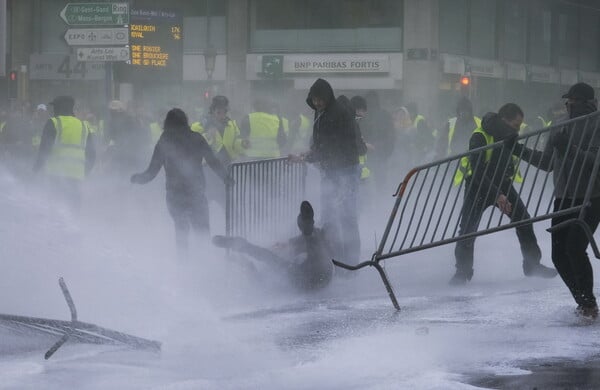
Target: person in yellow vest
x=264, y=132
x=66, y=153
x=359, y=110
x=300, y=133
x=458, y=129
x=484, y=187
x=222, y=131
x=425, y=135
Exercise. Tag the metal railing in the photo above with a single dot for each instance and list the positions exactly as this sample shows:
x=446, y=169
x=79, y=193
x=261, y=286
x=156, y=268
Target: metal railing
x=265, y=199
x=428, y=207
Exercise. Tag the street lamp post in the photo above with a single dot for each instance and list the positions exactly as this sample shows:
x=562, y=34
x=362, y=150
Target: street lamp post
x=210, y=57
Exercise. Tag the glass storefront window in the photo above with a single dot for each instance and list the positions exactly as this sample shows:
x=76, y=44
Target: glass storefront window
x=332, y=25
x=453, y=23
x=483, y=29
x=513, y=39
x=568, y=36
x=540, y=33
x=589, y=51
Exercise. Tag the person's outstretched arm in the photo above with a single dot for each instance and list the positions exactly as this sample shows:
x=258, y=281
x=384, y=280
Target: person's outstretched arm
x=156, y=163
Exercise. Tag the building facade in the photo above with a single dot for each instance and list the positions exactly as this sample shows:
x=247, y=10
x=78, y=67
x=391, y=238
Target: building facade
x=524, y=51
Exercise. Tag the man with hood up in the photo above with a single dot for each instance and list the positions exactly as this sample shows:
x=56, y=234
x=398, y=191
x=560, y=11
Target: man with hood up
x=489, y=177
x=181, y=152
x=306, y=259
x=573, y=149
x=335, y=150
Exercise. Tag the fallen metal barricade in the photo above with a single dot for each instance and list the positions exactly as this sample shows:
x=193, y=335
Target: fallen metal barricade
x=428, y=206
x=265, y=199
x=74, y=330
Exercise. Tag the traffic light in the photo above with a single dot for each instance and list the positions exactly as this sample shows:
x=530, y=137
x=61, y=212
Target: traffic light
x=465, y=85
x=13, y=84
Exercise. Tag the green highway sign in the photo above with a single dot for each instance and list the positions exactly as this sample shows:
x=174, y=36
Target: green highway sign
x=97, y=14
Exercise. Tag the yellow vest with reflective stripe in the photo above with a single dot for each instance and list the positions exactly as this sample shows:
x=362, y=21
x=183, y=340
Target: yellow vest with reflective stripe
x=231, y=140
x=452, y=129
x=67, y=158
x=465, y=170
x=263, y=135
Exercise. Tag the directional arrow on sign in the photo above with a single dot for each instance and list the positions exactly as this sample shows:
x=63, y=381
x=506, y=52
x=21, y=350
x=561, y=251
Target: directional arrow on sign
x=97, y=36
x=103, y=54
x=99, y=14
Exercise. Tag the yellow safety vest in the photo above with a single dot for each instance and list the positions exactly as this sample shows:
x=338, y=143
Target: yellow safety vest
x=452, y=129
x=465, y=169
x=544, y=122
x=155, y=131
x=304, y=133
x=263, y=135
x=365, y=172
x=2, y=124
x=230, y=139
x=420, y=118
x=67, y=158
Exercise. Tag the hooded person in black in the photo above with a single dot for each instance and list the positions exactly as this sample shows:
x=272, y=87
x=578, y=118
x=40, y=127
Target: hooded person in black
x=181, y=152
x=491, y=184
x=305, y=260
x=570, y=154
x=335, y=149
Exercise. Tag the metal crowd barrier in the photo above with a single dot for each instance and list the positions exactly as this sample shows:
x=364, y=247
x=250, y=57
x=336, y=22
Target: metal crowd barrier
x=265, y=199
x=428, y=205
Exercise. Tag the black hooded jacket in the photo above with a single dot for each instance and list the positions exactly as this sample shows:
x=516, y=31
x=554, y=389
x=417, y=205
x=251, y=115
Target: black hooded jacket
x=334, y=141
x=494, y=177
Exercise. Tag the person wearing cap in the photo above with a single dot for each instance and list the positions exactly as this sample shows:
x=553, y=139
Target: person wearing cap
x=66, y=153
x=40, y=117
x=182, y=152
x=573, y=148
x=305, y=259
x=221, y=132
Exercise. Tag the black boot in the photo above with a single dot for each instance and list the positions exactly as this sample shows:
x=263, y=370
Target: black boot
x=539, y=270
x=461, y=277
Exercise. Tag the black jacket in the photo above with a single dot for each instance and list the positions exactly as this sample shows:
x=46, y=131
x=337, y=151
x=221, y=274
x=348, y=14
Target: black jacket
x=571, y=161
x=181, y=152
x=494, y=177
x=334, y=141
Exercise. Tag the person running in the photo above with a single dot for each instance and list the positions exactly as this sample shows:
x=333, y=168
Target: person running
x=181, y=152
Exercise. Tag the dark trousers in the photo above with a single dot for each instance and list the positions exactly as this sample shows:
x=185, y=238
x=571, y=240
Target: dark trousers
x=472, y=210
x=569, y=251
x=186, y=211
x=339, y=193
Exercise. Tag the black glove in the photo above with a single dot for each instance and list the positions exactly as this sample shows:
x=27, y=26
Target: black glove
x=510, y=140
x=560, y=141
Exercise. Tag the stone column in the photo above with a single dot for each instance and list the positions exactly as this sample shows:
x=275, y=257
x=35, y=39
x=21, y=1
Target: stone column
x=237, y=87
x=421, y=67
